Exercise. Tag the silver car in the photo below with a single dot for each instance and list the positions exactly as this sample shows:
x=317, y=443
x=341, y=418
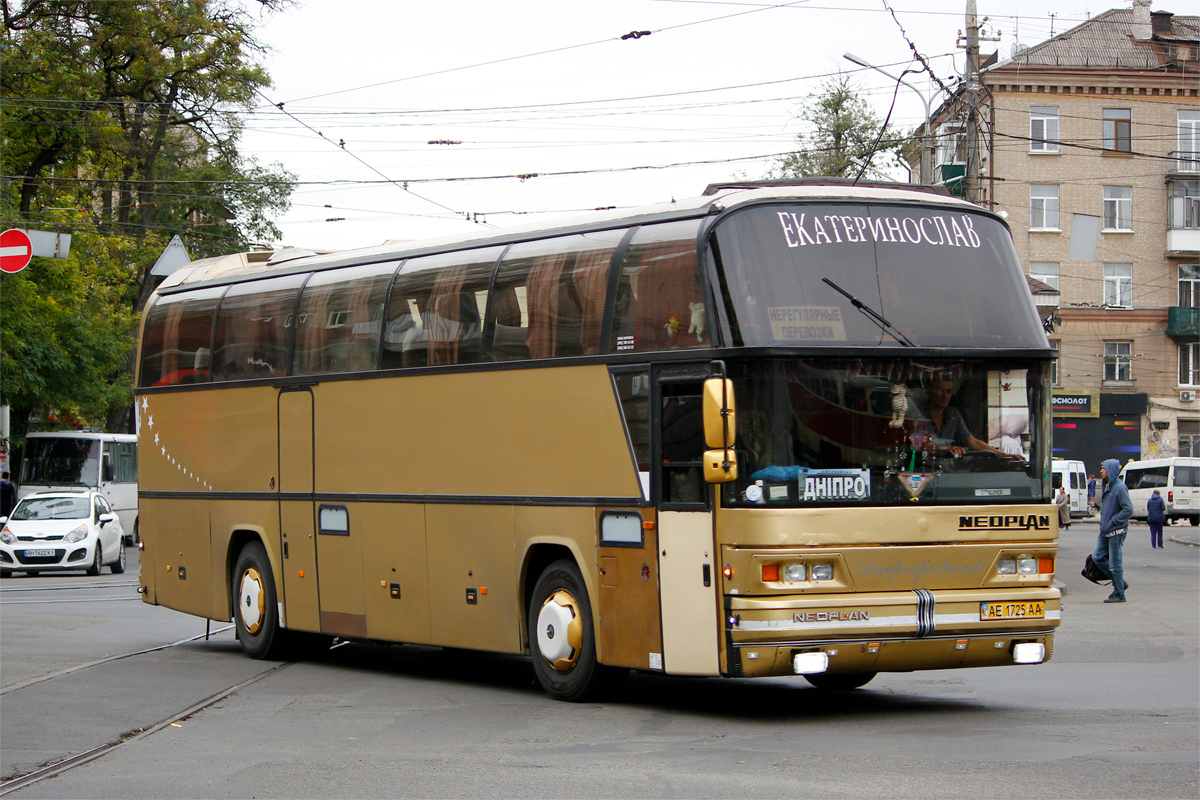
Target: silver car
x=53, y=531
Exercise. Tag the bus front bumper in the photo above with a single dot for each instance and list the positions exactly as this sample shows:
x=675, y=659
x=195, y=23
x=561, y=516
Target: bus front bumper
x=890, y=632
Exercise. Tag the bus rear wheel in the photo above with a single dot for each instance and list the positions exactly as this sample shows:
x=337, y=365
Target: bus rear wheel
x=256, y=614
x=561, y=638
x=840, y=681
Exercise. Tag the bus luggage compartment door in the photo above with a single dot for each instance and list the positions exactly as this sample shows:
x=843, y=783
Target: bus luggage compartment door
x=297, y=547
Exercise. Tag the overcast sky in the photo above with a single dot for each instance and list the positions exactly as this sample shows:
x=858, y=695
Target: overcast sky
x=525, y=87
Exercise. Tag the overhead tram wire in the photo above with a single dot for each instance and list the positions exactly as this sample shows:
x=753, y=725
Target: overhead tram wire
x=493, y=62
x=402, y=185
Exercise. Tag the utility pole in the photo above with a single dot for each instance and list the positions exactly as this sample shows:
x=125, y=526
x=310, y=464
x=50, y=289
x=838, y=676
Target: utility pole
x=973, y=98
x=972, y=95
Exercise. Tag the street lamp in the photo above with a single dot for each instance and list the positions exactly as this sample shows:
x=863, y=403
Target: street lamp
x=927, y=144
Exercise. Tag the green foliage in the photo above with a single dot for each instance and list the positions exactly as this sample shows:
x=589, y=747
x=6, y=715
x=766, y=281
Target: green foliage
x=120, y=123
x=842, y=133
x=67, y=327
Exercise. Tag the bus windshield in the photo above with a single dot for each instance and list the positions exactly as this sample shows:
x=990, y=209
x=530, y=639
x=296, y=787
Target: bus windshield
x=848, y=432
x=52, y=461
x=919, y=269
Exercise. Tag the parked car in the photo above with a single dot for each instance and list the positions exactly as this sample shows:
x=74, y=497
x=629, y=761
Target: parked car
x=62, y=530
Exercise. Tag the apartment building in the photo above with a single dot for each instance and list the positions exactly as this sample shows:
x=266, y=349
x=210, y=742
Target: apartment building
x=1091, y=149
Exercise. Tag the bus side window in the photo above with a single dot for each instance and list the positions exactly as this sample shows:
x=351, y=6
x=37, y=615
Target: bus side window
x=556, y=287
x=660, y=293
x=437, y=307
x=339, y=318
x=253, y=329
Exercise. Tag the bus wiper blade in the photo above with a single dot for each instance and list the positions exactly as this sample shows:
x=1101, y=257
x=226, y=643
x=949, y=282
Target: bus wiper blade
x=873, y=315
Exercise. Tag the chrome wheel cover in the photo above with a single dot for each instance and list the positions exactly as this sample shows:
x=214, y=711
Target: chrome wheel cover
x=560, y=631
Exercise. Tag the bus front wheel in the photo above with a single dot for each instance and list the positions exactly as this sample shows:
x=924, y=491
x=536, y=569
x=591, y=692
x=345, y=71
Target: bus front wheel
x=840, y=681
x=256, y=614
x=561, y=638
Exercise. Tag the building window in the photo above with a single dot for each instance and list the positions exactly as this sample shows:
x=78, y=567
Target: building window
x=1116, y=130
x=1185, y=205
x=950, y=141
x=1118, y=208
x=1043, y=206
x=1189, y=439
x=1045, y=271
x=1189, y=285
x=1118, y=285
x=1118, y=362
x=1189, y=364
x=1043, y=130
x=1188, y=155
x=1054, y=364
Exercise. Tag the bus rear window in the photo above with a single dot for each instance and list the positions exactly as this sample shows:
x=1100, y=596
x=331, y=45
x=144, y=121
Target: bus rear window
x=178, y=337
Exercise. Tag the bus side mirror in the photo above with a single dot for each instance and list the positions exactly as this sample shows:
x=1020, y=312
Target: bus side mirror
x=720, y=431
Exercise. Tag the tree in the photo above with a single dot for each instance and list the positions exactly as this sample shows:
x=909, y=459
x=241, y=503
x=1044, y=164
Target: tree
x=842, y=135
x=120, y=122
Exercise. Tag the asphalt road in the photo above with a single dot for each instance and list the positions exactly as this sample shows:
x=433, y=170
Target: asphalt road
x=1116, y=713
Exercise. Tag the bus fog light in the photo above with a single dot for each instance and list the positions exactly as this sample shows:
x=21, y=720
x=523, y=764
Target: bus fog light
x=1007, y=566
x=822, y=572
x=1027, y=565
x=794, y=573
x=810, y=663
x=1029, y=653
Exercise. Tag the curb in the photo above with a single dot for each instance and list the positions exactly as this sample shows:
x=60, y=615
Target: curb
x=1189, y=541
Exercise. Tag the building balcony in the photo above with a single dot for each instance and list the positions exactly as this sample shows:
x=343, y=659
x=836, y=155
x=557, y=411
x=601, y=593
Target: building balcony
x=1183, y=240
x=1183, y=324
x=1184, y=162
x=951, y=176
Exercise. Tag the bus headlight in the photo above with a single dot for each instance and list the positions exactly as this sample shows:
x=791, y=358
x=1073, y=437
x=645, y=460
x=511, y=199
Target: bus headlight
x=1007, y=566
x=78, y=535
x=822, y=572
x=1027, y=566
x=794, y=573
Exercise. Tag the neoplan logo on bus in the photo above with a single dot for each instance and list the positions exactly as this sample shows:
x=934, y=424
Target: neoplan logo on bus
x=1000, y=522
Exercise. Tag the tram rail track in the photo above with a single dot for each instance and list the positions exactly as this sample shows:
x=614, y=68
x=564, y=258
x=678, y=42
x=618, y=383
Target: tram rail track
x=48, y=771
x=108, y=660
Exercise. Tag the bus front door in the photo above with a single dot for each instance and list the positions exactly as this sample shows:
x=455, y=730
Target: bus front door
x=687, y=557
x=297, y=547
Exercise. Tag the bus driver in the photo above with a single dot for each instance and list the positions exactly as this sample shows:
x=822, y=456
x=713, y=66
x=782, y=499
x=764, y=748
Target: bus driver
x=942, y=429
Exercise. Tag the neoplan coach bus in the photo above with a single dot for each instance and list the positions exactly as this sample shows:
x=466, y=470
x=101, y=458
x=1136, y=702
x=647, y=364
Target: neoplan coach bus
x=786, y=430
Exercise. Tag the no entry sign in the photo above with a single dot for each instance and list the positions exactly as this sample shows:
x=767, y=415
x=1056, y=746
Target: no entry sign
x=15, y=250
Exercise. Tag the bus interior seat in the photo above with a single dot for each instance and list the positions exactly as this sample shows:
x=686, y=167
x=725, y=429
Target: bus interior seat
x=509, y=343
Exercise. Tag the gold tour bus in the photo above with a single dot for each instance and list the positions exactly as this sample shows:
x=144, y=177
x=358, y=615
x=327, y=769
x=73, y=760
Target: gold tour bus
x=776, y=430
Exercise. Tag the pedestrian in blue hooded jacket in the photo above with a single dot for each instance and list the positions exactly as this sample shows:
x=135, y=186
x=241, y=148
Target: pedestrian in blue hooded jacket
x=1156, y=515
x=1115, y=511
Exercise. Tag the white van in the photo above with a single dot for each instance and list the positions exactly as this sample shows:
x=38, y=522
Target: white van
x=1071, y=475
x=1178, y=483
x=106, y=462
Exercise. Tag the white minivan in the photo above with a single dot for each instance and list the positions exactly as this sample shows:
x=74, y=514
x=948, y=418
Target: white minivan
x=1177, y=480
x=1071, y=475
x=106, y=462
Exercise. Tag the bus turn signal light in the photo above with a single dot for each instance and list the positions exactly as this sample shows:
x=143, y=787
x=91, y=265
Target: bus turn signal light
x=770, y=573
x=1045, y=565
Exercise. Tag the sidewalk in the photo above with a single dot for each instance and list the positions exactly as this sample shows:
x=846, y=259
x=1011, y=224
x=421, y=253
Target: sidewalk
x=1185, y=535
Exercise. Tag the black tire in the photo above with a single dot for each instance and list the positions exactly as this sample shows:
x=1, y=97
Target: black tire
x=840, y=681
x=94, y=569
x=255, y=613
x=575, y=675
x=1195, y=521
x=118, y=566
